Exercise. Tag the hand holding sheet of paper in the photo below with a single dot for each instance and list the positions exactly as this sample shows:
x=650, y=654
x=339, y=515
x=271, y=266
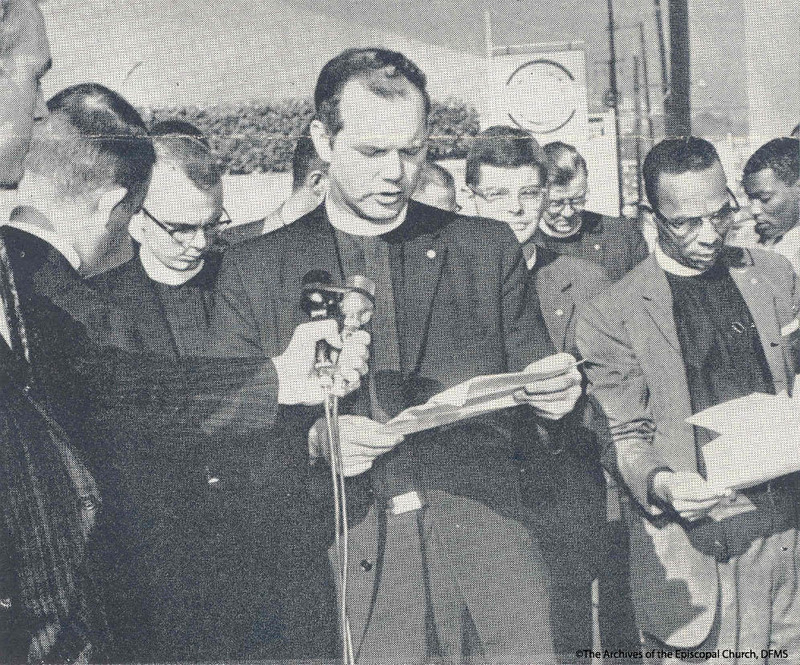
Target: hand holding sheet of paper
x=553, y=397
x=690, y=495
x=498, y=391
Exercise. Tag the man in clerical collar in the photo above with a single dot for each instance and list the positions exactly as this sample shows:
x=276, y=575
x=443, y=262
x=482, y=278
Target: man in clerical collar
x=442, y=514
x=568, y=228
x=167, y=289
x=695, y=325
x=507, y=174
x=771, y=179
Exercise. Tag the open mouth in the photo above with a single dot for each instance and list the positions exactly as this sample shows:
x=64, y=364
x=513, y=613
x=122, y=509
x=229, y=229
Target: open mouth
x=389, y=198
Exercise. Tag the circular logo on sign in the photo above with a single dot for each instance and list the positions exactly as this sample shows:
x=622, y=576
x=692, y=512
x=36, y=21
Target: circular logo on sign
x=542, y=96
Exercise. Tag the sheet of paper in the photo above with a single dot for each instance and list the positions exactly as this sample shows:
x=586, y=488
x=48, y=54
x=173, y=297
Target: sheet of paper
x=474, y=397
x=759, y=439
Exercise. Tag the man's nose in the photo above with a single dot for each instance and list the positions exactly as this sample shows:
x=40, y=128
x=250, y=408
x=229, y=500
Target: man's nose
x=40, y=110
x=515, y=206
x=200, y=240
x=755, y=208
x=392, y=165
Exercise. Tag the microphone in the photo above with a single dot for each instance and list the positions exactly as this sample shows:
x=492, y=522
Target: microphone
x=319, y=300
x=358, y=303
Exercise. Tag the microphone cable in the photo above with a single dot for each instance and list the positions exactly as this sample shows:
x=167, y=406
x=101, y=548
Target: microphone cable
x=342, y=532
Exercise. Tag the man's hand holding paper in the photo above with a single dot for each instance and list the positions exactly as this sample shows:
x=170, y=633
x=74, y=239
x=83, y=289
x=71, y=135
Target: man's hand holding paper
x=555, y=396
x=362, y=441
x=688, y=493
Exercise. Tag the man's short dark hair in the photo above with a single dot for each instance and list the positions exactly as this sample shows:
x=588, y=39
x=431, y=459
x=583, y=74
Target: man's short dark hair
x=305, y=160
x=181, y=143
x=781, y=155
x=676, y=156
x=93, y=139
x=385, y=73
x=565, y=163
x=505, y=147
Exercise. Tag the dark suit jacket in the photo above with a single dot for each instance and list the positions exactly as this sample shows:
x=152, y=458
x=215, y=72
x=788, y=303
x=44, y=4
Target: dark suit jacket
x=564, y=486
x=154, y=432
x=637, y=375
x=613, y=242
x=129, y=289
x=460, y=289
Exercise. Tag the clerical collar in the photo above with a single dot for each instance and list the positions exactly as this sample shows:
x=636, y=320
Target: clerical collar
x=346, y=222
x=544, y=228
x=160, y=273
x=670, y=265
x=30, y=220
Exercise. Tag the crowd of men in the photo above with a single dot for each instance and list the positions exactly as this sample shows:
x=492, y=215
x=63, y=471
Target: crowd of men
x=164, y=484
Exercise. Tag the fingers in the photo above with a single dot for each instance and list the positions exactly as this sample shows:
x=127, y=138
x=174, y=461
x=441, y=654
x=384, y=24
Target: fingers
x=554, y=405
x=555, y=384
x=557, y=363
x=309, y=333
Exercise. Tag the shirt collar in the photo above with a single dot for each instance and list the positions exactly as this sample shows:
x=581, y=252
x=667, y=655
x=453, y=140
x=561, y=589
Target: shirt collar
x=670, y=265
x=160, y=273
x=30, y=220
x=346, y=222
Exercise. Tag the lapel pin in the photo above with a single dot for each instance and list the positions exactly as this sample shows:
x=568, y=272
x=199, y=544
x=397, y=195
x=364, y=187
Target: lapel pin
x=753, y=280
x=431, y=254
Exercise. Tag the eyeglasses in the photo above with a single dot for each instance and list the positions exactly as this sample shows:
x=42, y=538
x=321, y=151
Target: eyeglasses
x=185, y=233
x=722, y=220
x=557, y=205
x=526, y=196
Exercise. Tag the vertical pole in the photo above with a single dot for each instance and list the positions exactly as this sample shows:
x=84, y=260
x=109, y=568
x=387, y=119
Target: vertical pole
x=487, y=21
x=646, y=83
x=637, y=96
x=612, y=79
x=679, y=113
x=662, y=52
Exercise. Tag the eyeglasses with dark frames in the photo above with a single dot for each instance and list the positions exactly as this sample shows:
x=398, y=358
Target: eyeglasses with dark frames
x=185, y=233
x=722, y=220
x=556, y=206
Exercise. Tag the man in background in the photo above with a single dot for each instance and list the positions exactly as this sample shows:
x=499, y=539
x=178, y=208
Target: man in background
x=568, y=228
x=436, y=187
x=166, y=290
x=771, y=180
x=309, y=183
x=507, y=174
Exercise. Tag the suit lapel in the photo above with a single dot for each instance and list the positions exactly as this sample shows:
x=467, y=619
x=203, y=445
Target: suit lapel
x=657, y=298
x=418, y=256
x=760, y=301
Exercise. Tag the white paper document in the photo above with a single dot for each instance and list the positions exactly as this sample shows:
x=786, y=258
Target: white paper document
x=759, y=439
x=474, y=397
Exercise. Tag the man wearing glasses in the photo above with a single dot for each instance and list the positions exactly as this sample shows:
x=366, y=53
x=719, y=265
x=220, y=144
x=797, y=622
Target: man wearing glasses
x=167, y=288
x=568, y=228
x=564, y=488
x=694, y=325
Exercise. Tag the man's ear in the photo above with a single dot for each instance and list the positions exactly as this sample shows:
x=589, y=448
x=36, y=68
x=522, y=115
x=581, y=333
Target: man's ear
x=109, y=200
x=318, y=183
x=136, y=227
x=321, y=140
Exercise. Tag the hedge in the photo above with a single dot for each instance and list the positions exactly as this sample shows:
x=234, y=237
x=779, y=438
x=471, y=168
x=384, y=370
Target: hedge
x=259, y=136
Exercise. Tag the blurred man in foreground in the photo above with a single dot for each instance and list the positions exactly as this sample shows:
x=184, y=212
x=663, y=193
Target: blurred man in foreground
x=87, y=173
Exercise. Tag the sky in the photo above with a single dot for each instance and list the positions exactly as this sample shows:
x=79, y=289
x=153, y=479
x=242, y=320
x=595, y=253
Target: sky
x=160, y=52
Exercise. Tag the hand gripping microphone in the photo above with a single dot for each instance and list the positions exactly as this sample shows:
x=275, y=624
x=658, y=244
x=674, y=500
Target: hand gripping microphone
x=319, y=299
x=358, y=303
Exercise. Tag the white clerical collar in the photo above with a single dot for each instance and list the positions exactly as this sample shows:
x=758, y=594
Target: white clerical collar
x=346, y=222
x=25, y=218
x=670, y=265
x=160, y=273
